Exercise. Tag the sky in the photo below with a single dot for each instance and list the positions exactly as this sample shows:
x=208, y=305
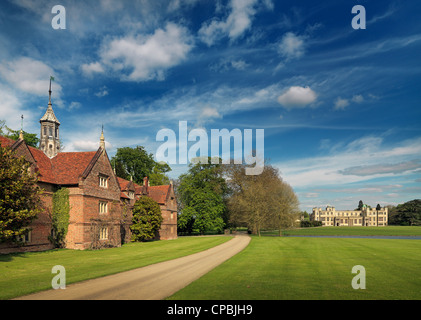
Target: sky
x=339, y=106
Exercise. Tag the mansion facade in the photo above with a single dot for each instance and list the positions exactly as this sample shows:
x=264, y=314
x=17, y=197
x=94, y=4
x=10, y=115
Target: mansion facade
x=365, y=217
x=100, y=202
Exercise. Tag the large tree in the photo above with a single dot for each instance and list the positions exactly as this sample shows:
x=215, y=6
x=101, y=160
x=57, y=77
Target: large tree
x=408, y=213
x=261, y=201
x=19, y=196
x=202, y=193
x=137, y=163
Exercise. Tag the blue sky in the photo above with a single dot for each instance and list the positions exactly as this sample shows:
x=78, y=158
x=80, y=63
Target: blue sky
x=340, y=107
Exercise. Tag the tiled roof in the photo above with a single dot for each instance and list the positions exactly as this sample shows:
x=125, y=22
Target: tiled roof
x=44, y=166
x=68, y=167
x=63, y=169
x=159, y=193
x=6, y=142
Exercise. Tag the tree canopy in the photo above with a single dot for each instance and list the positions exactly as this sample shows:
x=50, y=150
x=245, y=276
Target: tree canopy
x=31, y=139
x=146, y=219
x=406, y=214
x=137, y=163
x=202, y=193
x=19, y=196
x=261, y=201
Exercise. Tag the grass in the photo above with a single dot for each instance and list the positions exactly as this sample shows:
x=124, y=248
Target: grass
x=356, y=231
x=25, y=273
x=314, y=269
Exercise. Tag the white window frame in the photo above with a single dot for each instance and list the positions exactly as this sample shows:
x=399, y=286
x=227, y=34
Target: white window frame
x=103, y=181
x=103, y=207
x=103, y=233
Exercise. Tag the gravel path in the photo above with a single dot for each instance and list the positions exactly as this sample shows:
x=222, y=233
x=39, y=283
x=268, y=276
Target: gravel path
x=154, y=282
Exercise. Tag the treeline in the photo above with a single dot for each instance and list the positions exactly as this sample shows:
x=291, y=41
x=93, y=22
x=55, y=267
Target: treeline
x=406, y=214
x=215, y=197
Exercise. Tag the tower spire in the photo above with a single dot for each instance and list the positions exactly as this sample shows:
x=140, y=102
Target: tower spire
x=49, y=91
x=21, y=129
x=49, y=141
x=102, y=139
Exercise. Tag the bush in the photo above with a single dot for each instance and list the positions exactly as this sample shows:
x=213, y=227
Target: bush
x=147, y=219
x=310, y=224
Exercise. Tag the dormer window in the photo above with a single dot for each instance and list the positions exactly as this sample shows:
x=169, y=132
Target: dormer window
x=131, y=194
x=103, y=181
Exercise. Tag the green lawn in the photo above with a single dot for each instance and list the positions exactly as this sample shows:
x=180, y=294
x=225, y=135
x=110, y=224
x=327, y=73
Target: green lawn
x=357, y=231
x=313, y=268
x=25, y=273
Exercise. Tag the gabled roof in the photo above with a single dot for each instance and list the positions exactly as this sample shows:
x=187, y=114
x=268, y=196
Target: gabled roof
x=159, y=193
x=64, y=169
x=44, y=166
x=68, y=167
x=126, y=185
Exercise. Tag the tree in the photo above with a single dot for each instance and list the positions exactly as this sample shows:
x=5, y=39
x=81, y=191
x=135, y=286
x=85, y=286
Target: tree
x=147, y=219
x=157, y=176
x=378, y=207
x=261, y=201
x=19, y=196
x=360, y=205
x=407, y=214
x=31, y=139
x=202, y=193
x=136, y=163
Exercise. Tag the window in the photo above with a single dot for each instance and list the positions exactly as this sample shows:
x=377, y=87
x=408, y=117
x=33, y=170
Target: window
x=25, y=238
x=103, y=233
x=103, y=181
x=131, y=194
x=103, y=207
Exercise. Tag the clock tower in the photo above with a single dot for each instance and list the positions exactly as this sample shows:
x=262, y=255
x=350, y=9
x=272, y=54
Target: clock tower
x=49, y=142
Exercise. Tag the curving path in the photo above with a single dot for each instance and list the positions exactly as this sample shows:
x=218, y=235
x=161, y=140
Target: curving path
x=153, y=282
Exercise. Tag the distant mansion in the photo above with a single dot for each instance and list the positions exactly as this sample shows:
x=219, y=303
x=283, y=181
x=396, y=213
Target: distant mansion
x=365, y=217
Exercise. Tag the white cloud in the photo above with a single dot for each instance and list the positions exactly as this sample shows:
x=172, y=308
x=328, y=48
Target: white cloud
x=29, y=75
x=341, y=104
x=11, y=110
x=209, y=112
x=86, y=145
x=144, y=58
x=102, y=92
x=292, y=46
x=74, y=105
x=297, y=97
x=238, y=21
x=358, y=98
x=91, y=68
x=395, y=168
x=358, y=161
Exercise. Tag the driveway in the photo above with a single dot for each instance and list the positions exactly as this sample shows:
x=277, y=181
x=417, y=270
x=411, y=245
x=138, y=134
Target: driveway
x=154, y=282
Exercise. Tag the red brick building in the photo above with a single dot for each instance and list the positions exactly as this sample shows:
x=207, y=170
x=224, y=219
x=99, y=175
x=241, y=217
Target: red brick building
x=100, y=202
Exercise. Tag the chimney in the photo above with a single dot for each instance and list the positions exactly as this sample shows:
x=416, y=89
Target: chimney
x=145, y=185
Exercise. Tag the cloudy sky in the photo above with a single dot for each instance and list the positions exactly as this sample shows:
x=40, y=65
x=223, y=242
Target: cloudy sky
x=340, y=107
